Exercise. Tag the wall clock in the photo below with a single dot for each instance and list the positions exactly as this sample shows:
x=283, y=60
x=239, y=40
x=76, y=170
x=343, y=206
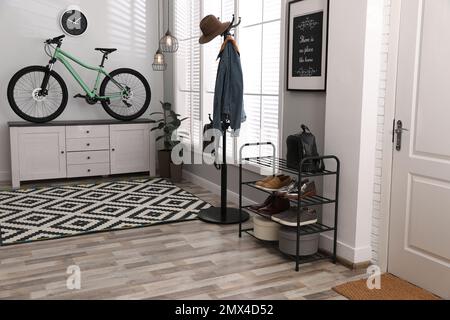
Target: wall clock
x=73, y=21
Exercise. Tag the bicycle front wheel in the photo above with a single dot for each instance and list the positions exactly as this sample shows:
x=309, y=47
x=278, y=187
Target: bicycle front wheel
x=134, y=103
x=27, y=100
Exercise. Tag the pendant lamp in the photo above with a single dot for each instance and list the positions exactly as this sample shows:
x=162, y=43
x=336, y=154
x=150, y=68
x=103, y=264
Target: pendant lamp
x=159, y=61
x=168, y=43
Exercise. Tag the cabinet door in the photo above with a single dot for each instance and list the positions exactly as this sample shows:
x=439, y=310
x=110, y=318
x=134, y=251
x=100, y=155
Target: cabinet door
x=130, y=148
x=41, y=153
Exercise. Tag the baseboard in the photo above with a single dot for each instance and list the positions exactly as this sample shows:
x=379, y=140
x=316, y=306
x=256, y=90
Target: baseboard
x=5, y=176
x=214, y=188
x=355, y=258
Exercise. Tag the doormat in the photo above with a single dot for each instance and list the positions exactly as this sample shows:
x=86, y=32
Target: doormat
x=29, y=215
x=392, y=288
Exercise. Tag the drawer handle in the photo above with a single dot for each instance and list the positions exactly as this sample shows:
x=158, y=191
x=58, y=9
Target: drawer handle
x=113, y=150
x=88, y=132
x=89, y=158
x=88, y=144
x=89, y=170
x=62, y=152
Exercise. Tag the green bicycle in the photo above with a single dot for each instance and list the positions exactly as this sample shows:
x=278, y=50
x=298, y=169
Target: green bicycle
x=39, y=94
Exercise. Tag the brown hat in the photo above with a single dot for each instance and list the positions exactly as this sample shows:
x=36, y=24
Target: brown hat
x=212, y=27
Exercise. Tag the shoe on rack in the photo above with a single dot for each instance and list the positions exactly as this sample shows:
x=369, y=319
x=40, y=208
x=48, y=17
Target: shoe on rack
x=289, y=217
x=276, y=183
x=278, y=205
x=308, y=189
x=265, y=180
x=268, y=179
x=266, y=203
x=292, y=188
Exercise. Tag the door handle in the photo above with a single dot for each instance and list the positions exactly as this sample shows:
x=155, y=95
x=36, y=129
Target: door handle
x=399, y=132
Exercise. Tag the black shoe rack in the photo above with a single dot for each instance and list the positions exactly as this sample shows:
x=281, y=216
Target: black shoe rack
x=278, y=165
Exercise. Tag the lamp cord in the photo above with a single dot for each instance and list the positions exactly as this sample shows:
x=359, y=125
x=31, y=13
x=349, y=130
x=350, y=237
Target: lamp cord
x=168, y=15
x=159, y=20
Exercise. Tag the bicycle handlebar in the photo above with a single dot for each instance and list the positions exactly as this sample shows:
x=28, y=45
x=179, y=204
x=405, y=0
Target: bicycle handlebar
x=56, y=40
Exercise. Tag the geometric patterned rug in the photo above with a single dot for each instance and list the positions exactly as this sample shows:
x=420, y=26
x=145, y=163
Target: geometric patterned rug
x=29, y=215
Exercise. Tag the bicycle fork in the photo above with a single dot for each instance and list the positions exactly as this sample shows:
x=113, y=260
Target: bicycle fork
x=51, y=63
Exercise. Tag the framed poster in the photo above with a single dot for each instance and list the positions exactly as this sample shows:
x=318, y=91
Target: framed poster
x=307, y=45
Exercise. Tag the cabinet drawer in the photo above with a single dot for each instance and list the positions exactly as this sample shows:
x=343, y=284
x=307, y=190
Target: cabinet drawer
x=87, y=157
x=87, y=144
x=77, y=132
x=88, y=170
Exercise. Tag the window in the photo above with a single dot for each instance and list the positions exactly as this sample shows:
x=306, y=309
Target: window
x=196, y=67
x=188, y=71
x=259, y=39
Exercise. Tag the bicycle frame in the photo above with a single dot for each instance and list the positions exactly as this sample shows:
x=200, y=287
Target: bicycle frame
x=63, y=57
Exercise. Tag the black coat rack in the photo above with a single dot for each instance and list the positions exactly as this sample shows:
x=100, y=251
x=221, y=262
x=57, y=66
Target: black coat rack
x=224, y=215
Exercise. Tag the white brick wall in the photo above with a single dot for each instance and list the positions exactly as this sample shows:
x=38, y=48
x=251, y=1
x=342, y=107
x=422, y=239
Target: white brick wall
x=380, y=137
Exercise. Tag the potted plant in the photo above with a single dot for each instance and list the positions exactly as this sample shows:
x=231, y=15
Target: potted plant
x=168, y=125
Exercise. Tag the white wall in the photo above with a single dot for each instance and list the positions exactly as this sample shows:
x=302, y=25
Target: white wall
x=351, y=119
x=129, y=25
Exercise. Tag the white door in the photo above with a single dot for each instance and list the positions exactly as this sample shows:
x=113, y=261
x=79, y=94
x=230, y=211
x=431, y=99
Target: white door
x=419, y=246
x=130, y=148
x=41, y=153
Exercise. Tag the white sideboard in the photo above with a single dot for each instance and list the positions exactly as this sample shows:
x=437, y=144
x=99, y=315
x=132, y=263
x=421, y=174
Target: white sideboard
x=78, y=149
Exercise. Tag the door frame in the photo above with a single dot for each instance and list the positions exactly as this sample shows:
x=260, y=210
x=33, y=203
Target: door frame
x=388, y=145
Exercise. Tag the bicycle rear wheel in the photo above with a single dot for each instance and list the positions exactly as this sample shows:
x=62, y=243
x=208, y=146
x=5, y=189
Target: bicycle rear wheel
x=135, y=103
x=26, y=99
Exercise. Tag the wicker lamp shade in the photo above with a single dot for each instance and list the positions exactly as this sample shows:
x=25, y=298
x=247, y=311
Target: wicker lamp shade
x=159, y=61
x=169, y=43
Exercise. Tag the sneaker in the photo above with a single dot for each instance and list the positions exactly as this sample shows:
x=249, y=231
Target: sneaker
x=289, y=218
x=308, y=189
x=290, y=189
x=276, y=184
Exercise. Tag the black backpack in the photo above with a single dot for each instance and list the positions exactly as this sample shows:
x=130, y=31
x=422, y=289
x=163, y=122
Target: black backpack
x=301, y=146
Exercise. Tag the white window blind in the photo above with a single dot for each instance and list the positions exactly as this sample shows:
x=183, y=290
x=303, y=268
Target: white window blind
x=196, y=67
x=187, y=65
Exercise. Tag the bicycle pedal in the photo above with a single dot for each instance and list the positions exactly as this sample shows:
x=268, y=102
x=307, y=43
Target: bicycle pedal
x=79, y=96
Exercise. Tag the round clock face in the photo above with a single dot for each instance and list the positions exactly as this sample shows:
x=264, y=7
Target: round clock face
x=74, y=22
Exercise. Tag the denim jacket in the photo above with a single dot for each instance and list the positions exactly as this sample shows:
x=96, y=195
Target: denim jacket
x=229, y=91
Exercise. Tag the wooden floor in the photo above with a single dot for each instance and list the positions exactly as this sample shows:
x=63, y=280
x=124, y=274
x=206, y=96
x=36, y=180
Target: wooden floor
x=190, y=260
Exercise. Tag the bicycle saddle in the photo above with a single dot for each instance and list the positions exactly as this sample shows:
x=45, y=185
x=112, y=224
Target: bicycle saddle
x=106, y=50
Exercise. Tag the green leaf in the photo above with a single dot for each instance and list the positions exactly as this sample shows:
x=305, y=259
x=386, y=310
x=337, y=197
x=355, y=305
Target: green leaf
x=166, y=106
